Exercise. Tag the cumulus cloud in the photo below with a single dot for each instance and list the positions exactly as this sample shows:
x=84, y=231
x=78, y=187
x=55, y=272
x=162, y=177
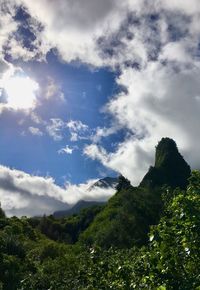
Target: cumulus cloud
x=107, y=33
x=154, y=45
x=160, y=102
x=162, y=90
x=85, y=191
x=75, y=25
x=25, y=194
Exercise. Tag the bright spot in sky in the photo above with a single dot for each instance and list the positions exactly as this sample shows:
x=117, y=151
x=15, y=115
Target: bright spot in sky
x=20, y=92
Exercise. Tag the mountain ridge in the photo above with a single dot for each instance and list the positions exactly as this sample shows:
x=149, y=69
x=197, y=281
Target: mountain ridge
x=80, y=205
x=126, y=218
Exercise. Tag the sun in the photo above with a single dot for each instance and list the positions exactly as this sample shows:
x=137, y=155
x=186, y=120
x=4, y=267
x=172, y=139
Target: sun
x=20, y=92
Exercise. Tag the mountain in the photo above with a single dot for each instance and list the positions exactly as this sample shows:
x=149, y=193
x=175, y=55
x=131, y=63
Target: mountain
x=50, y=253
x=170, y=167
x=76, y=208
x=105, y=183
x=126, y=218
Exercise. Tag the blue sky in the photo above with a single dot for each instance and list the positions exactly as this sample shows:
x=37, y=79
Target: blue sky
x=87, y=89
x=84, y=91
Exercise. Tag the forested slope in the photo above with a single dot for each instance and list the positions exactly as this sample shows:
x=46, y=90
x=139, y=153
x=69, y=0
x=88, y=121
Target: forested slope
x=145, y=237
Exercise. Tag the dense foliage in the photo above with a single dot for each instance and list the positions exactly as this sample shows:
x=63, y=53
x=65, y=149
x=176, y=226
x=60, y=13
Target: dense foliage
x=144, y=238
x=125, y=220
x=66, y=229
x=171, y=259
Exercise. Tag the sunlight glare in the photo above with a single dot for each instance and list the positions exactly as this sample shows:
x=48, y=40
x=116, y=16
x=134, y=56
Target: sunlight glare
x=21, y=92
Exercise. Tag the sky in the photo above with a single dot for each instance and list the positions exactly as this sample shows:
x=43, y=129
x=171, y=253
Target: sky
x=87, y=89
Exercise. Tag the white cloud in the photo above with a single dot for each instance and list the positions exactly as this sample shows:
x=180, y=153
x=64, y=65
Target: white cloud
x=4, y=66
x=53, y=91
x=83, y=191
x=78, y=130
x=54, y=129
x=97, y=152
x=18, y=50
x=12, y=41
x=35, y=131
x=66, y=150
x=160, y=102
x=25, y=194
x=76, y=26
x=36, y=119
x=102, y=132
x=132, y=158
x=188, y=7
x=76, y=126
x=74, y=137
x=176, y=51
x=85, y=31
x=155, y=45
x=7, y=25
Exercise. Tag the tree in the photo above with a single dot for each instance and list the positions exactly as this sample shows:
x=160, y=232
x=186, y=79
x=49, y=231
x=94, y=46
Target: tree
x=173, y=261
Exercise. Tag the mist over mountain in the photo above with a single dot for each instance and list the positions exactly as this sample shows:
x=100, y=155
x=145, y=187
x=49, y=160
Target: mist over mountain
x=103, y=183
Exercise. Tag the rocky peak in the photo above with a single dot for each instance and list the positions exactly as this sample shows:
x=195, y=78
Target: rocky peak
x=170, y=167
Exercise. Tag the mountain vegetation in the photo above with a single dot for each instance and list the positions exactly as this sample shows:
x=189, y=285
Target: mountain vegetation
x=145, y=237
x=76, y=208
x=170, y=168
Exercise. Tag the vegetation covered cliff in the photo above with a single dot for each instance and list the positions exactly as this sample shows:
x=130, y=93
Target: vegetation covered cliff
x=170, y=167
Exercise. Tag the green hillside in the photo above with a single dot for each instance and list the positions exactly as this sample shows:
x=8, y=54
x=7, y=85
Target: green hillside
x=145, y=237
x=125, y=220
